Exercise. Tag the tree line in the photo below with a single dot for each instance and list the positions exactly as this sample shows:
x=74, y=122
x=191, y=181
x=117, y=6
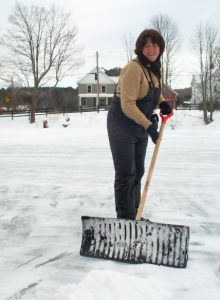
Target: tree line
x=41, y=48
x=48, y=97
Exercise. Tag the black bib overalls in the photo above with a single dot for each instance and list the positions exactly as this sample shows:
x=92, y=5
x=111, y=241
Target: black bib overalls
x=128, y=143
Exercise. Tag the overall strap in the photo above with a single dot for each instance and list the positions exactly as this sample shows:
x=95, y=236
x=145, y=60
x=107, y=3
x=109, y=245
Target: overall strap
x=115, y=88
x=150, y=82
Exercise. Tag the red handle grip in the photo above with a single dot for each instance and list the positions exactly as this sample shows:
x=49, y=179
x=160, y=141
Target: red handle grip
x=165, y=117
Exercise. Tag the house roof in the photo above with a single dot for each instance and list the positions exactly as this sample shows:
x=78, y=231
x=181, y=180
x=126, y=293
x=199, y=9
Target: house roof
x=184, y=93
x=114, y=78
x=168, y=90
x=89, y=78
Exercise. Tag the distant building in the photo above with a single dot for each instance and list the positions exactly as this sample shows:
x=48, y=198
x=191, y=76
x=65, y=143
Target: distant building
x=88, y=87
x=170, y=96
x=184, y=96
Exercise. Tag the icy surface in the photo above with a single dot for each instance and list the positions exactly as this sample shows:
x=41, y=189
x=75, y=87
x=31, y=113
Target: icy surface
x=50, y=177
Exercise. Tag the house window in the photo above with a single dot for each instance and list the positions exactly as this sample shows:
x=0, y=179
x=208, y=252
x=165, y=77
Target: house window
x=103, y=88
x=83, y=101
x=89, y=88
x=109, y=100
x=88, y=101
x=102, y=101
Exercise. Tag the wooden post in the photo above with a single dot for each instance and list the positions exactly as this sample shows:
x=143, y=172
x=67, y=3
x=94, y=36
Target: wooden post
x=97, y=86
x=13, y=95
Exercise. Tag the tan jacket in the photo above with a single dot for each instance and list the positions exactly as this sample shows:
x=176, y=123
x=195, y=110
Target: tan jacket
x=133, y=85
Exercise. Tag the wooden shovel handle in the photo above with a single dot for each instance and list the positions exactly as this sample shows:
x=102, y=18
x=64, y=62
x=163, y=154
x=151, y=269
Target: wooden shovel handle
x=151, y=168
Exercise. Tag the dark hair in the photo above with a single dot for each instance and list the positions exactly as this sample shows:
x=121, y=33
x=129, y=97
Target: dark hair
x=154, y=36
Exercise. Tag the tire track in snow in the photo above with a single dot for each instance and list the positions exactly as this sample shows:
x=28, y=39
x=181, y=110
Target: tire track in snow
x=21, y=293
x=28, y=261
x=53, y=259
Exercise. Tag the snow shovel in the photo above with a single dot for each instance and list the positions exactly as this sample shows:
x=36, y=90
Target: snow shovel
x=140, y=240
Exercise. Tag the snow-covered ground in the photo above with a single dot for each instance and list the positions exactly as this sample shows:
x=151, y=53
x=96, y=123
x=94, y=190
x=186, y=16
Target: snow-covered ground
x=50, y=177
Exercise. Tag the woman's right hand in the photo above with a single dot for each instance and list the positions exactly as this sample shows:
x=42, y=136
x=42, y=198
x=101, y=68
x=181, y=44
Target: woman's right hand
x=153, y=133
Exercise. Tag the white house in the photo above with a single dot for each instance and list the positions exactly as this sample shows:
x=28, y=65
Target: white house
x=88, y=87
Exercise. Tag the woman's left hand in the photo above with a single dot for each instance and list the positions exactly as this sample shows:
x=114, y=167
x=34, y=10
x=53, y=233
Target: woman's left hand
x=165, y=108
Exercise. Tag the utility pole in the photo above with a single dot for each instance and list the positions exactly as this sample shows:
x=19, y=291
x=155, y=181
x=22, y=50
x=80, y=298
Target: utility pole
x=13, y=94
x=97, y=87
x=211, y=66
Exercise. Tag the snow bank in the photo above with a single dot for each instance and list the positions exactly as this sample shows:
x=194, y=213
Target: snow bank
x=97, y=121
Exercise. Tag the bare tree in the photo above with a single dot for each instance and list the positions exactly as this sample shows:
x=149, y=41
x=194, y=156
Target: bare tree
x=204, y=44
x=217, y=54
x=42, y=47
x=129, y=44
x=212, y=51
x=169, y=30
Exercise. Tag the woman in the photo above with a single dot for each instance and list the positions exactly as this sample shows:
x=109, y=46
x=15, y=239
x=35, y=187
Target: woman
x=137, y=94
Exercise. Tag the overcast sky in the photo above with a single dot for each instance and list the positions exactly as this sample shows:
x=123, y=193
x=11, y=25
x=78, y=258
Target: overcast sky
x=102, y=25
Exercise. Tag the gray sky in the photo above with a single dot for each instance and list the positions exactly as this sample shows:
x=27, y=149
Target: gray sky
x=102, y=25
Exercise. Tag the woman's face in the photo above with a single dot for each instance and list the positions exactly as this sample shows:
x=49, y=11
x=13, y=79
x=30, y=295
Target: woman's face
x=151, y=50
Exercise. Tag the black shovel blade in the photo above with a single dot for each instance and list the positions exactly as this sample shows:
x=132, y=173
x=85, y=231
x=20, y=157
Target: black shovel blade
x=135, y=241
